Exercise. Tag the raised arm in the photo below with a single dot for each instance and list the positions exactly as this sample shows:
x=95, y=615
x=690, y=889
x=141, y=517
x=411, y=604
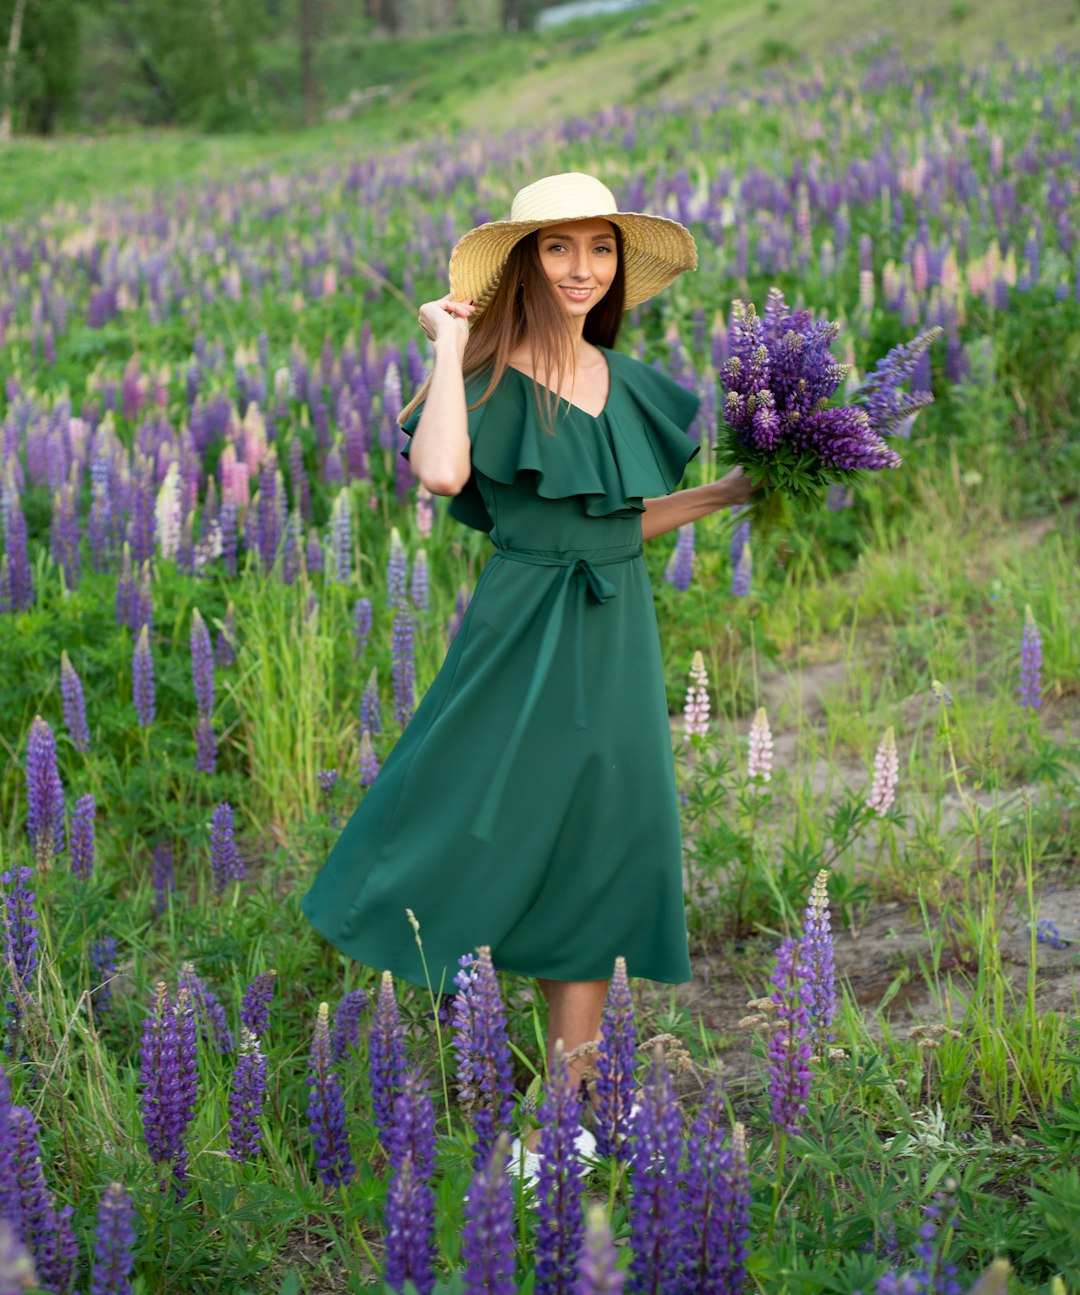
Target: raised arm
x=439, y=454
x=670, y=511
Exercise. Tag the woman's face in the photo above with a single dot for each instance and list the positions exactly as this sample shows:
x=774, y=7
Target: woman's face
x=579, y=258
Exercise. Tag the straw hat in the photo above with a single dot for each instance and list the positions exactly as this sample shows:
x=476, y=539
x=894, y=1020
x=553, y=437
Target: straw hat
x=655, y=250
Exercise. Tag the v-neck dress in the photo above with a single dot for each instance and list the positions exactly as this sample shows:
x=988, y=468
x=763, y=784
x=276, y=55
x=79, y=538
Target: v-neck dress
x=530, y=803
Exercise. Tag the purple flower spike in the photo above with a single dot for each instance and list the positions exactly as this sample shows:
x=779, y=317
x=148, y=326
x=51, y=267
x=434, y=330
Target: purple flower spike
x=362, y=623
x=205, y=745
x=347, y=1022
x=113, y=1241
x=410, y=1231
x=20, y=935
x=615, y=1067
x=560, y=1226
x=716, y=1205
x=246, y=1099
x=484, y=1071
x=597, y=1270
x=1030, y=663
x=370, y=710
x=44, y=795
x=102, y=972
x=82, y=837
x=369, y=761
x=74, y=704
x=255, y=1005
x=213, y=1024
x=680, y=569
x=169, y=1077
x=20, y=579
x=889, y=409
x=386, y=1059
x=142, y=680
x=326, y=1110
x=654, y=1180
x=46, y=1231
x=789, y=1048
x=17, y=1271
x=743, y=572
x=225, y=861
x=397, y=572
x=403, y=650
x=10, y=1207
x=817, y=954
x=487, y=1239
x=202, y=664
x=162, y=875
x=414, y=1127
x=419, y=585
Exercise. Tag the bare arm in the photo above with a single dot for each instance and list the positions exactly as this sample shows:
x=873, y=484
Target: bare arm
x=670, y=511
x=439, y=454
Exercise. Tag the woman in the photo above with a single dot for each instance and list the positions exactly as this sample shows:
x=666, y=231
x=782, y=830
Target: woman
x=530, y=804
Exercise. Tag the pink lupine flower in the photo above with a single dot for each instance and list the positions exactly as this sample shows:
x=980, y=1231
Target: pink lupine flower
x=696, y=710
x=761, y=747
x=886, y=771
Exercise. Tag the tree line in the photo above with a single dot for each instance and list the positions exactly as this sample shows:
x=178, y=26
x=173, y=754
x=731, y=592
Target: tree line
x=194, y=61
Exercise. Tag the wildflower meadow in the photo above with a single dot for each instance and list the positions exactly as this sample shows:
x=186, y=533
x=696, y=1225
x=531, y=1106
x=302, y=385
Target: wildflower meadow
x=222, y=594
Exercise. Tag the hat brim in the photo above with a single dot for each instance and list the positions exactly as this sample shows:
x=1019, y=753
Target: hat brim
x=656, y=251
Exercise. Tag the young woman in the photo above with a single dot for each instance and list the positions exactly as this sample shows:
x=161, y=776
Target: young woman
x=530, y=804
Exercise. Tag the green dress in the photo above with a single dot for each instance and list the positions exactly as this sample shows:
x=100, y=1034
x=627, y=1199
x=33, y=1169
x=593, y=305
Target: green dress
x=530, y=803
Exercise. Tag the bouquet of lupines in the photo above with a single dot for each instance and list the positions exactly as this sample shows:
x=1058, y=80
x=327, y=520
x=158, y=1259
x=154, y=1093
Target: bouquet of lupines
x=777, y=384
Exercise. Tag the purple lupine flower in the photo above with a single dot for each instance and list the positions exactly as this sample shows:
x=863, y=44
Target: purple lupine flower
x=743, y=571
x=715, y=1221
x=20, y=577
x=789, y=1047
x=598, y=1273
x=386, y=1059
x=935, y=1274
x=82, y=837
x=74, y=704
x=255, y=1005
x=886, y=775
x=206, y=750
x=44, y=795
x=142, y=612
x=46, y=1231
x=347, y=1022
x=162, y=875
x=404, y=668
x=246, y=1099
x=560, y=1226
x=142, y=680
x=202, y=664
x=739, y=536
x=341, y=538
x=328, y=779
x=453, y=624
x=396, y=572
x=654, y=1173
x=225, y=644
x=940, y=693
x=1030, y=663
x=413, y=1131
x=326, y=1109
x=102, y=972
x=169, y=1077
x=487, y=1238
x=817, y=955
x=410, y=1231
x=20, y=934
x=418, y=585
x=484, y=1071
x=680, y=569
x=113, y=1242
x=370, y=710
x=369, y=761
x=10, y=1207
x=17, y=1271
x=362, y=623
x=313, y=553
x=615, y=1067
x=887, y=407
x=213, y=1023
x=225, y=861
x=761, y=747
x=696, y=709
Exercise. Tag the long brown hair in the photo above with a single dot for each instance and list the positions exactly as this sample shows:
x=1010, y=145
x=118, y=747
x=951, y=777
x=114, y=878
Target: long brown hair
x=524, y=305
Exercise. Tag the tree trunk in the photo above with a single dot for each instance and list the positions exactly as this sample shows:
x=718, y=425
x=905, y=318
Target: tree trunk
x=7, y=88
x=307, y=60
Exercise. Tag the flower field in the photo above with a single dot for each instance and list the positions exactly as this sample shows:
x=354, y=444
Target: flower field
x=222, y=594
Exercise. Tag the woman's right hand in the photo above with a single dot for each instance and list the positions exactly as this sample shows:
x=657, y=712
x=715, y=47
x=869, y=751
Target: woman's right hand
x=445, y=319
